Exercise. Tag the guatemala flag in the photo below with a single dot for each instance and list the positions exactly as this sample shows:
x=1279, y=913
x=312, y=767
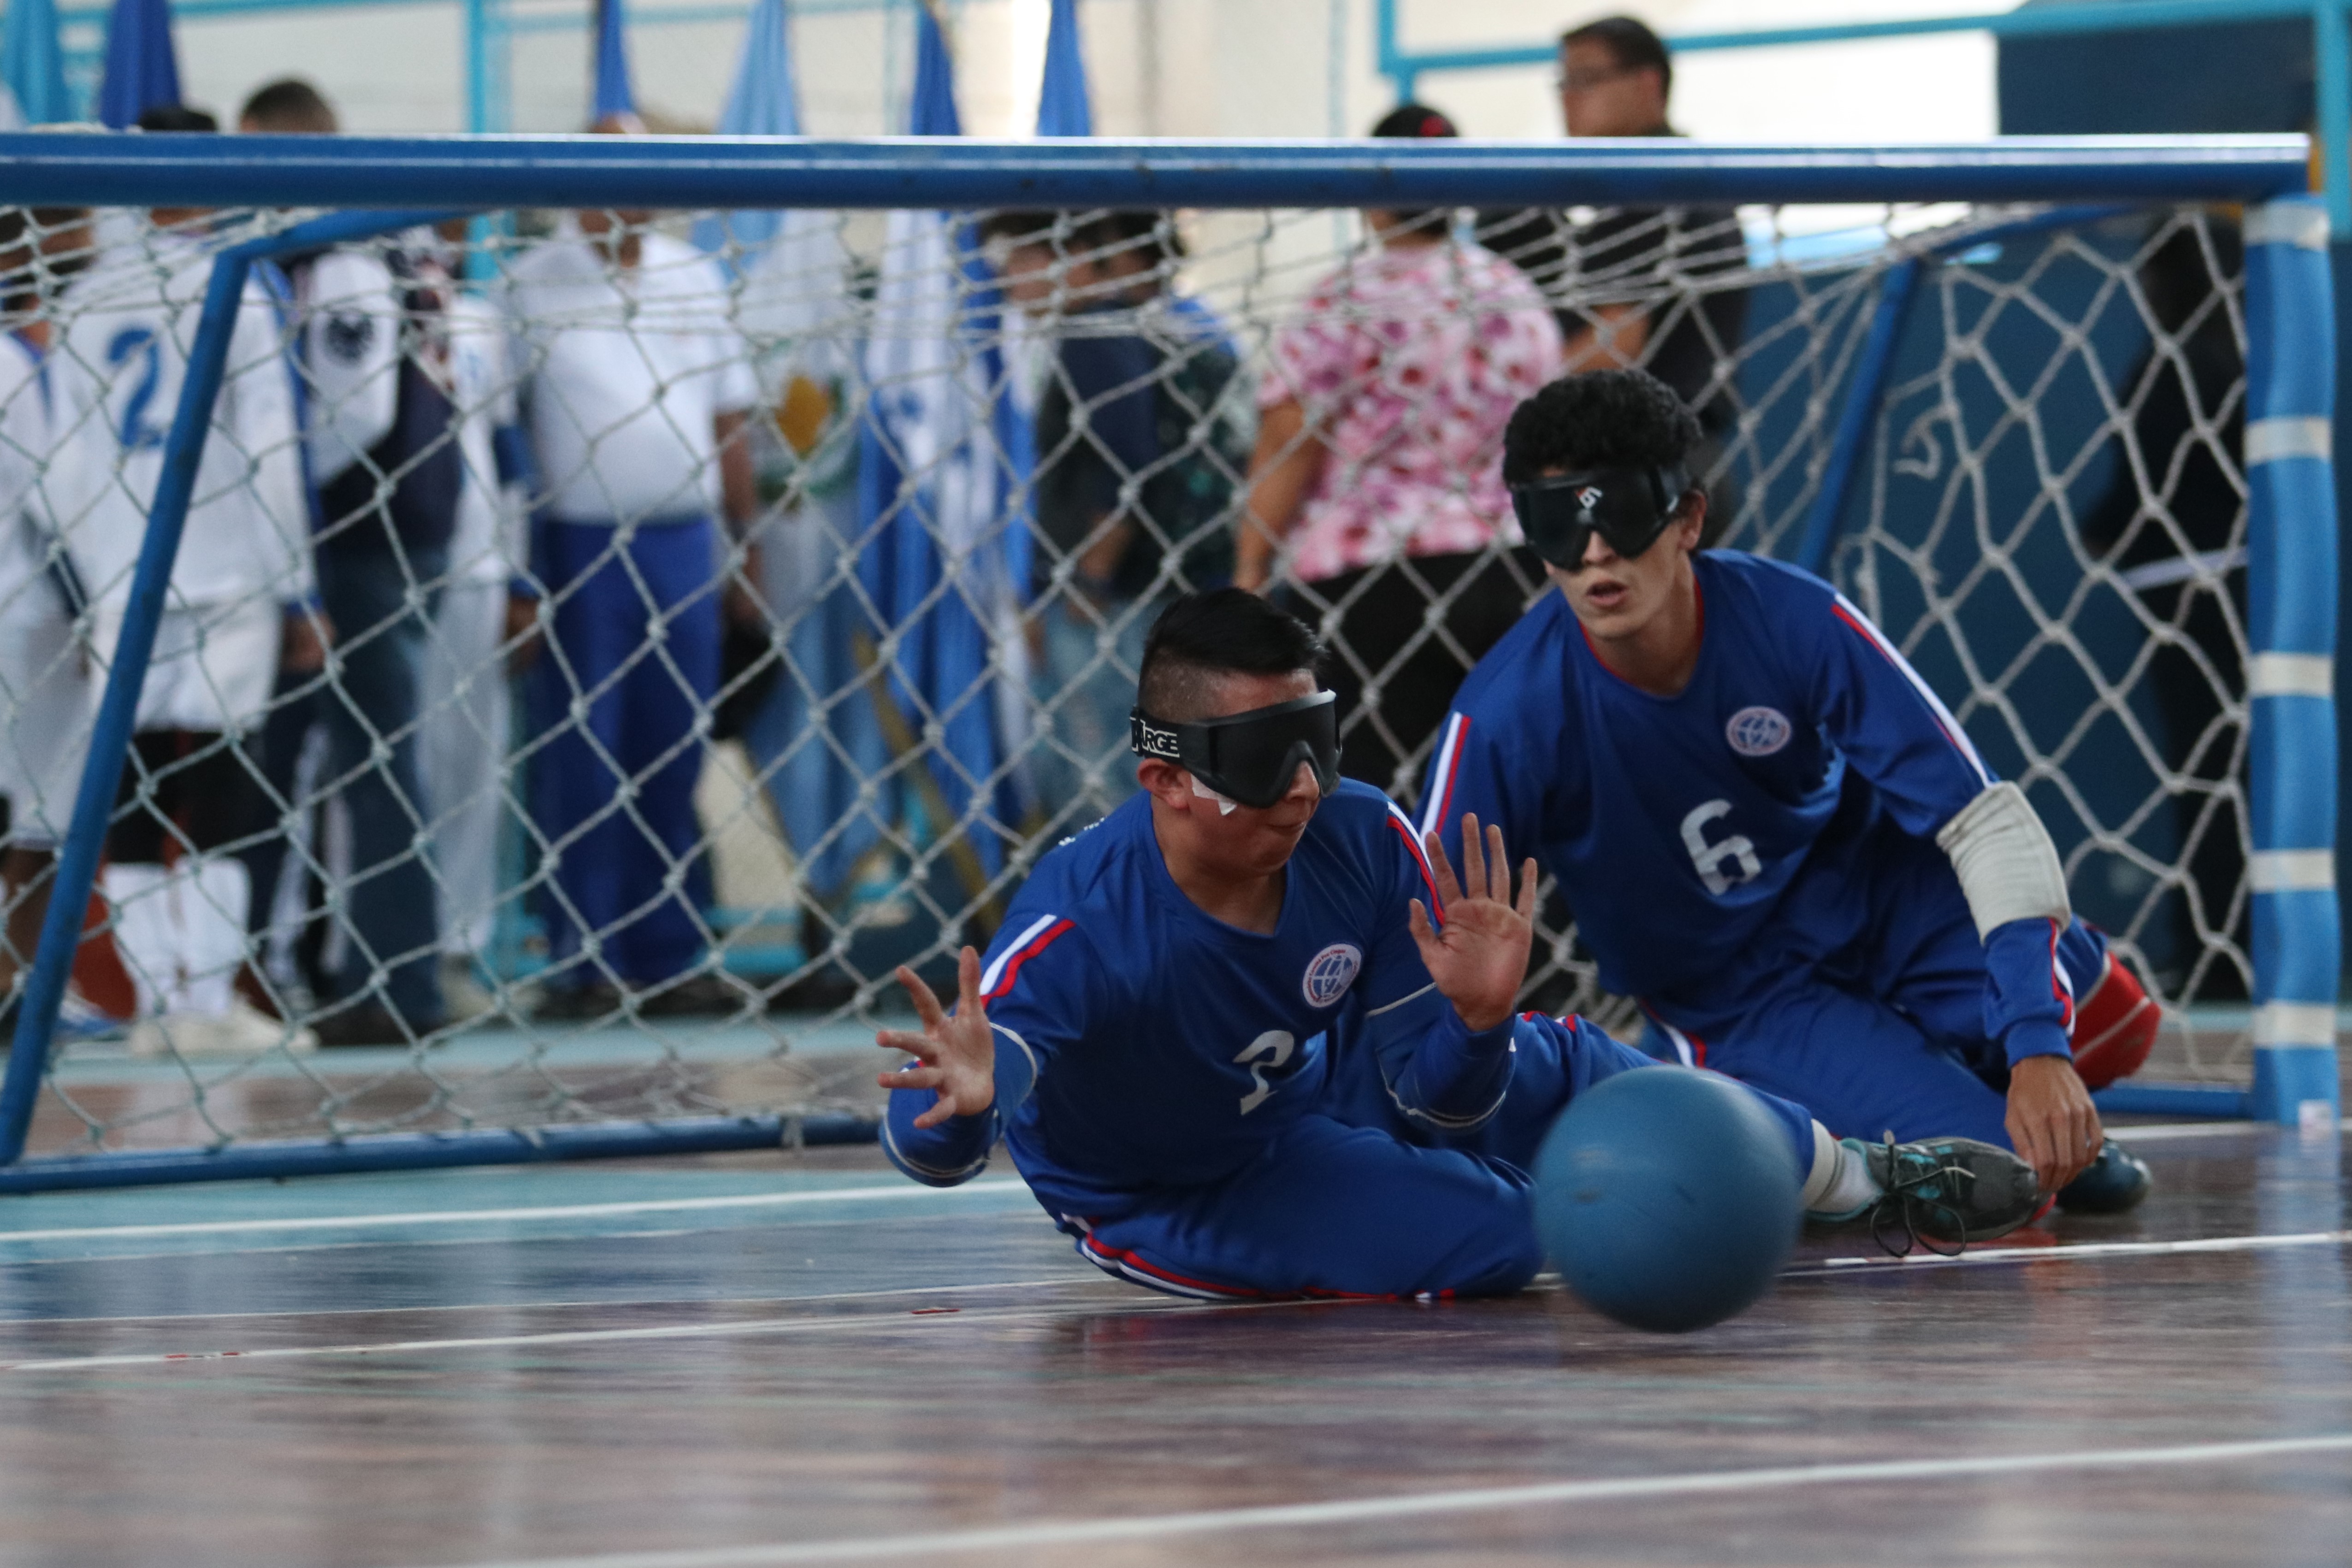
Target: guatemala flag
x=814, y=738
x=938, y=482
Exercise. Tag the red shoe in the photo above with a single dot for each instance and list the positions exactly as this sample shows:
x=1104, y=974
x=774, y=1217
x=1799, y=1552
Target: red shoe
x=2115, y=1027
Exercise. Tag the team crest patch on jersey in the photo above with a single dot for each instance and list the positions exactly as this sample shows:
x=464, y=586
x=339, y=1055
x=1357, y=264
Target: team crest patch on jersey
x=1332, y=972
x=1757, y=731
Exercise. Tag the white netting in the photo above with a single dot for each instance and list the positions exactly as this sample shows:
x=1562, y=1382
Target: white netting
x=725, y=611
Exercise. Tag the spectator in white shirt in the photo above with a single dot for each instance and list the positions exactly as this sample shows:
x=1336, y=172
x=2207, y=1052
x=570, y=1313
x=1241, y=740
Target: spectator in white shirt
x=47, y=695
x=242, y=587
x=635, y=385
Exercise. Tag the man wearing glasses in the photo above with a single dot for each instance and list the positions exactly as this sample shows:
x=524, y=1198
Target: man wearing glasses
x=1631, y=285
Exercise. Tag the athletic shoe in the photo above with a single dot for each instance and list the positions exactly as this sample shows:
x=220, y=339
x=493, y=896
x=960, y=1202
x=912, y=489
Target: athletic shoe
x=368, y=1023
x=590, y=1003
x=241, y=1031
x=1944, y=1190
x=699, y=996
x=2115, y=1183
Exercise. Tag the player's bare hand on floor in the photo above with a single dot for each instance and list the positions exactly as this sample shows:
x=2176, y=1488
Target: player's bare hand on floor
x=2052, y=1121
x=955, y=1056
x=1480, y=957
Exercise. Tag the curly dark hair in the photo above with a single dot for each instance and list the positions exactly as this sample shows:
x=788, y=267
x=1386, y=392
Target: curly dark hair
x=1601, y=418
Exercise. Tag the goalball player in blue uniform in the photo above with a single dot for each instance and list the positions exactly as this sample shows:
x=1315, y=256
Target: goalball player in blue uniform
x=1245, y=1039
x=1770, y=831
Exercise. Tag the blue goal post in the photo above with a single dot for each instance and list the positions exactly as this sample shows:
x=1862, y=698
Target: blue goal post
x=375, y=185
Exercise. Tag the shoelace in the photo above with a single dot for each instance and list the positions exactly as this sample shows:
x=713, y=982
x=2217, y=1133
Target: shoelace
x=1902, y=1194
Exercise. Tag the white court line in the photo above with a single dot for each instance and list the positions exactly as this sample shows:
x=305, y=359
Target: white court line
x=896, y=1190
x=572, y=1303
x=2083, y=1251
x=2154, y=1131
x=758, y=1326
x=1354, y=1510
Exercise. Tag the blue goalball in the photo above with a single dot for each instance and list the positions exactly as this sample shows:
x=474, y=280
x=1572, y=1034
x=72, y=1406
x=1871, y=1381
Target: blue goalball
x=1667, y=1198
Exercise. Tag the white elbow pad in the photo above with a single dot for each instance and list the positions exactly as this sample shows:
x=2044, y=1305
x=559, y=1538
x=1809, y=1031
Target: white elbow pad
x=2008, y=868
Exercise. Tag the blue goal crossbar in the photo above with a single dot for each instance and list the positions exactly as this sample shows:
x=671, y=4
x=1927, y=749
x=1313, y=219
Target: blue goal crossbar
x=400, y=181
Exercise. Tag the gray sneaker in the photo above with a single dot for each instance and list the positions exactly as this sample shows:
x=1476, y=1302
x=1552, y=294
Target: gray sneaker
x=1943, y=1193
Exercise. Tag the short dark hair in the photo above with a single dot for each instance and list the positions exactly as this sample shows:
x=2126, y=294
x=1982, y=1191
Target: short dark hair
x=1601, y=418
x=1143, y=231
x=1223, y=631
x=1631, y=44
x=176, y=117
x=289, y=104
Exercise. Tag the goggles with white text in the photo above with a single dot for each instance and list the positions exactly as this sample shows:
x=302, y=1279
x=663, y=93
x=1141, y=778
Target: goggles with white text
x=1251, y=756
x=1628, y=508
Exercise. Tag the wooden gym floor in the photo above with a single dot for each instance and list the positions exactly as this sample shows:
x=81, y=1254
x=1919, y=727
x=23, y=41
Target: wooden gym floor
x=800, y=1358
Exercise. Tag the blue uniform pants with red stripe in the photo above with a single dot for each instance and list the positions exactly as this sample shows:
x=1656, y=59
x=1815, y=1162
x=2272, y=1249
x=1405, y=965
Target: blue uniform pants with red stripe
x=1881, y=1028
x=1358, y=1201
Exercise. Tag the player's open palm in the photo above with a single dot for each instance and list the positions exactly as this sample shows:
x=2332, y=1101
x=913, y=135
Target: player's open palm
x=1479, y=956
x=955, y=1056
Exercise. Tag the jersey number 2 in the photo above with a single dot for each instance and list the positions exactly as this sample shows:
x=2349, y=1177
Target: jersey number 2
x=135, y=432
x=1271, y=1049
x=1708, y=857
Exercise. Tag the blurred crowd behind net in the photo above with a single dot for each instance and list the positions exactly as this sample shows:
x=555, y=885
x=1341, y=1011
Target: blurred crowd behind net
x=604, y=644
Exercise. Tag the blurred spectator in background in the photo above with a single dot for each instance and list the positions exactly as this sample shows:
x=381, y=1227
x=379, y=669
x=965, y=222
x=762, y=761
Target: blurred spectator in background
x=242, y=589
x=1627, y=283
x=373, y=351
x=2171, y=522
x=1376, y=487
x=48, y=691
x=1140, y=452
x=636, y=387
x=487, y=604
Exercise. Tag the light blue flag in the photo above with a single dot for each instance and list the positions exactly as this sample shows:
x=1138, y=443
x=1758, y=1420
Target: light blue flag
x=935, y=491
x=1061, y=106
x=764, y=102
x=33, y=65
x=612, y=93
x=142, y=72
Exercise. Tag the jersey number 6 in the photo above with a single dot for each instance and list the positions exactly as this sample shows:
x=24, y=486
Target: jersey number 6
x=1271, y=1049
x=1710, y=857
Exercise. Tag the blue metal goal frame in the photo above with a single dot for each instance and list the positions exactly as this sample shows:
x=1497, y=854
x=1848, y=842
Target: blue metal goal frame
x=400, y=181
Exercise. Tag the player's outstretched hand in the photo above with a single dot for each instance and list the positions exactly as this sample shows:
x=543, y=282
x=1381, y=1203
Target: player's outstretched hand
x=2052, y=1121
x=954, y=1056
x=1480, y=958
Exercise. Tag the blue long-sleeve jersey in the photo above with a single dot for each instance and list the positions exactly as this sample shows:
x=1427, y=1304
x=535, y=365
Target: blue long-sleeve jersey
x=1141, y=1043
x=1677, y=827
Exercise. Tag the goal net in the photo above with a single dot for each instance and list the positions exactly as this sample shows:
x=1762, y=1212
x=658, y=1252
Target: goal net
x=603, y=646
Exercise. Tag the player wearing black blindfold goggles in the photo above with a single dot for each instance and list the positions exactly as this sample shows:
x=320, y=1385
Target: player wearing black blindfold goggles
x=1628, y=508
x=1250, y=758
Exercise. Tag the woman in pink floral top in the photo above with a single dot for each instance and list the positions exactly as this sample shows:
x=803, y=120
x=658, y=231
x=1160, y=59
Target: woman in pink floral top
x=1380, y=434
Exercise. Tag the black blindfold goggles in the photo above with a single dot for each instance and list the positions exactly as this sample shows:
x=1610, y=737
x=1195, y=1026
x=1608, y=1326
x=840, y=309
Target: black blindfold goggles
x=1629, y=507
x=1250, y=757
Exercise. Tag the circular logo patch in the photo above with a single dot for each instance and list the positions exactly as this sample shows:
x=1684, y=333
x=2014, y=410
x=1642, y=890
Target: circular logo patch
x=1332, y=972
x=1757, y=731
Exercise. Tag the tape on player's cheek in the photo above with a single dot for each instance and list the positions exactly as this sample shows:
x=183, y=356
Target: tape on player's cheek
x=1224, y=807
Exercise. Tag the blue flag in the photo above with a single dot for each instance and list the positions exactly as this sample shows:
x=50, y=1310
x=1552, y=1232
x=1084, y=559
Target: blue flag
x=1061, y=106
x=764, y=102
x=935, y=491
x=33, y=65
x=141, y=70
x=613, y=94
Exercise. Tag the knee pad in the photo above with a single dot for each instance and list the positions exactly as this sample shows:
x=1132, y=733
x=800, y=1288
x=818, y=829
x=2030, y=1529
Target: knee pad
x=2115, y=1027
